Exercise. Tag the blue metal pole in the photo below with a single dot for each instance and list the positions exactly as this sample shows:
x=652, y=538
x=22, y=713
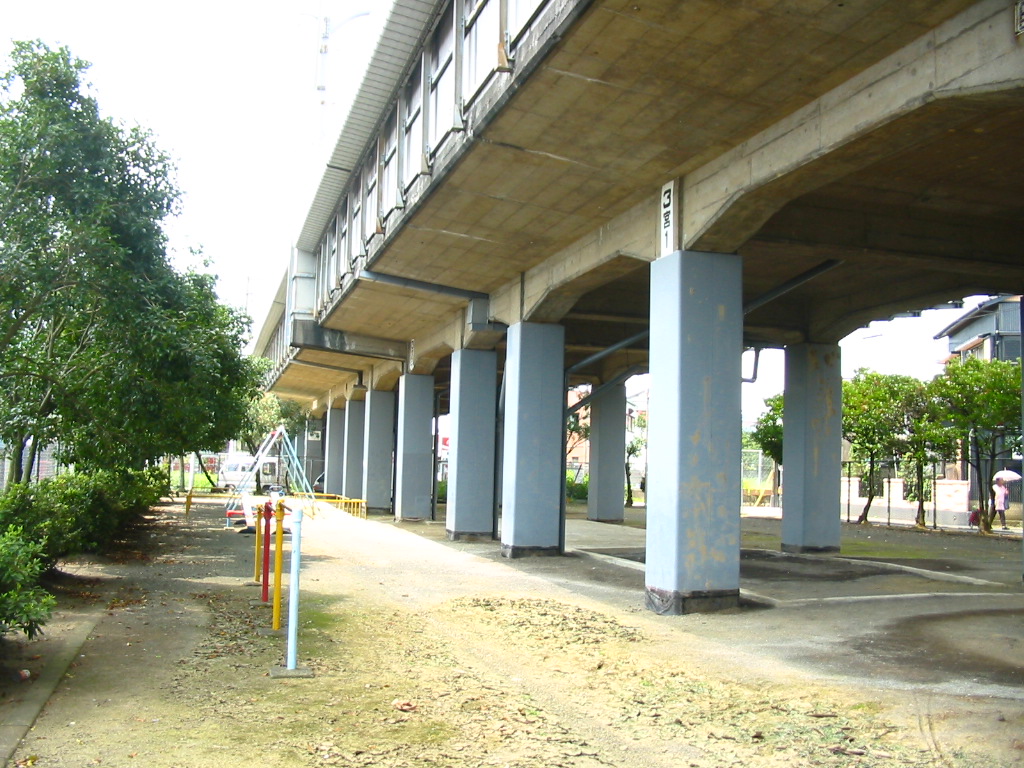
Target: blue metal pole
x=293, y=589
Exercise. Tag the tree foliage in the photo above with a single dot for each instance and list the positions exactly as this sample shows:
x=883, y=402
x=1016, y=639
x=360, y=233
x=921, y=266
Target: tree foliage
x=104, y=348
x=925, y=438
x=980, y=400
x=635, y=446
x=767, y=432
x=266, y=414
x=874, y=420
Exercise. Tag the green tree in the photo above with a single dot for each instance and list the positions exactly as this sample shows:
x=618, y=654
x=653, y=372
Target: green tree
x=265, y=414
x=577, y=424
x=634, y=447
x=874, y=421
x=767, y=435
x=767, y=432
x=981, y=400
x=104, y=348
x=926, y=437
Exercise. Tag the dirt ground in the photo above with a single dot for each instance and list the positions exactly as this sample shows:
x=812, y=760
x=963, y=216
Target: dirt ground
x=423, y=655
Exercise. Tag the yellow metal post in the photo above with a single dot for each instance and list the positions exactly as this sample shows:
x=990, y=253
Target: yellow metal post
x=188, y=502
x=278, y=560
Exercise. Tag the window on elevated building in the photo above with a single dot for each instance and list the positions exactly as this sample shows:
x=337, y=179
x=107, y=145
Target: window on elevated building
x=389, y=167
x=357, y=223
x=370, y=195
x=520, y=14
x=442, y=79
x=343, y=246
x=413, y=128
x=331, y=253
x=480, y=55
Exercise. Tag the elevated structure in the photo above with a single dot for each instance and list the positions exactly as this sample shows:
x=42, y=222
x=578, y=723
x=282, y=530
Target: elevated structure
x=671, y=181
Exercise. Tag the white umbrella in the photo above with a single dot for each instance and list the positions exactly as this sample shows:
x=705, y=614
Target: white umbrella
x=1006, y=475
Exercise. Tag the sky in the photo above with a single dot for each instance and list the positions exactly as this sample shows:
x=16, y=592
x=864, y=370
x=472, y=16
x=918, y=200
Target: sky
x=904, y=346
x=230, y=91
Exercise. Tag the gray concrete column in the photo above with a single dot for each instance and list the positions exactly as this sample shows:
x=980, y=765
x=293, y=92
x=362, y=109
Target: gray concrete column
x=414, y=452
x=471, y=458
x=352, y=480
x=316, y=443
x=334, y=456
x=533, y=439
x=812, y=449
x=300, y=442
x=694, y=433
x=606, y=495
x=379, y=449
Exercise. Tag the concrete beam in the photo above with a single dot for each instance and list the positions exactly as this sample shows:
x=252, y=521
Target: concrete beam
x=308, y=334
x=549, y=290
x=935, y=83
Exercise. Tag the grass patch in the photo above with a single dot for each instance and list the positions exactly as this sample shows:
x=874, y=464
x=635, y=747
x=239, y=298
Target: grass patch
x=886, y=549
x=757, y=540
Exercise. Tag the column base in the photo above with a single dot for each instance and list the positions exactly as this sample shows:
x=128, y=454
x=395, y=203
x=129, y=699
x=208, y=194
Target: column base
x=511, y=551
x=468, y=535
x=666, y=603
x=799, y=549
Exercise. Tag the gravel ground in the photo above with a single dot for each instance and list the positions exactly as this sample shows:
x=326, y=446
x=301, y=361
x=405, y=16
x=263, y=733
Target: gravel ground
x=425, y=655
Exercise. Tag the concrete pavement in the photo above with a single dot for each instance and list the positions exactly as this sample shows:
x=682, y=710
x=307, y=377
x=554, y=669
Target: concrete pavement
x=938, y=612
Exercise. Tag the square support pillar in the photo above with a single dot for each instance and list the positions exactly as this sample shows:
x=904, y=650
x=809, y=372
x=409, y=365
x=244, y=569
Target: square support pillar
x=812, y=447
x=533, y=439
x=606, y=493
x=414, y=454
x=694, y=433
x=379, y=450
x=471, y=459
x=300, y=441
x=352, y=480
x=334, y=455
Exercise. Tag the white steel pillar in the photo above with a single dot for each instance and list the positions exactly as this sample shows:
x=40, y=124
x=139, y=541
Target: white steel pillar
x=812, y=448
x=414, y=453
x=471, y=459
x=533, y=438
x=606, y=493
x=379, y=449
x=694, y=433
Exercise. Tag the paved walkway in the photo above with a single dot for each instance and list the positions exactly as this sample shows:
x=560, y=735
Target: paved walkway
x=898, y=605
x=939, y=612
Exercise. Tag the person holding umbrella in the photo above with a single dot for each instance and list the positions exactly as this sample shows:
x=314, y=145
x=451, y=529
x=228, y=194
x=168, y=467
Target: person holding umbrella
x=1001, y=493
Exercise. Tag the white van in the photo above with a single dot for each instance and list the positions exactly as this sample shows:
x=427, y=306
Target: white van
x=237, y=469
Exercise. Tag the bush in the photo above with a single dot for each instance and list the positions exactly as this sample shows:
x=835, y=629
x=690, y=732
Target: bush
x=442, y=491
x=43, y=523
x=24, y=605
x=75, y=513
x=577, y=491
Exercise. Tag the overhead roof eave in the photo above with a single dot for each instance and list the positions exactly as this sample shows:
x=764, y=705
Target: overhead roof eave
x=985, y=308
x=402, y=35
x=273, y=318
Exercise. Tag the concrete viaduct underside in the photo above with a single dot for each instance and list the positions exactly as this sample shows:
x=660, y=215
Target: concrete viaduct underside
x=678, y=180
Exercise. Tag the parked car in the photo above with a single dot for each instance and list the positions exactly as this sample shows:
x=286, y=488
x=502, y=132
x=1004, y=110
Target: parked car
x=318, y=484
